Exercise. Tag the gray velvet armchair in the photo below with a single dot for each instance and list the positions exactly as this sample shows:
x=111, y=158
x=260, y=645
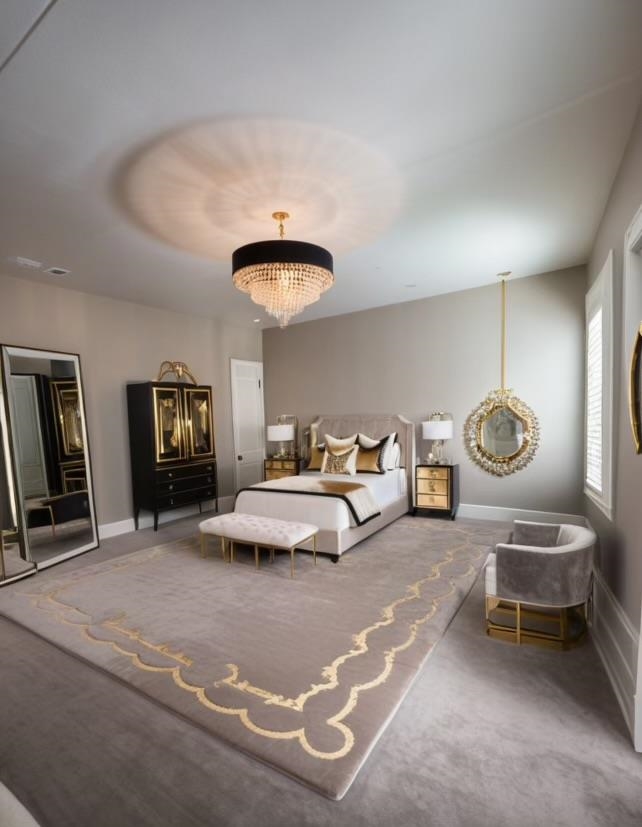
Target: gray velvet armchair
x=539, y=583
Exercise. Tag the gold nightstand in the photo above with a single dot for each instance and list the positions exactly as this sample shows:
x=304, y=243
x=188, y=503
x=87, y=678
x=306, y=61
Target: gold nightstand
x=275, y=468
x=436, y=490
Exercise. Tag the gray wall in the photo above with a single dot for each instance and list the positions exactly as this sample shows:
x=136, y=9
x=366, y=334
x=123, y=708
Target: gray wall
x=119, y=342
x=443, y=353
x=621, y=540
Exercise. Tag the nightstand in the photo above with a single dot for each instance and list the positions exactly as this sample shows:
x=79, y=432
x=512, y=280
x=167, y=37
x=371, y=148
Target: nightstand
x=274, y=468
x=436, y=490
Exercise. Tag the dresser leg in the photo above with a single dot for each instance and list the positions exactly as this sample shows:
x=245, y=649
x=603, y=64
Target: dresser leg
x=155, y=520
x=136, y=513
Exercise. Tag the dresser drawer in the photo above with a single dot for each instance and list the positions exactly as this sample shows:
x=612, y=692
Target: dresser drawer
x=436, y=486
x=181, y=471
x=277, y=475
x=184, y=484
x=432, y=473
x=432, y=501
x=281, y=465
x=186, y=497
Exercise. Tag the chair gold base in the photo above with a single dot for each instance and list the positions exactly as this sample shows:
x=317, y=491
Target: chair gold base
x=552, y=628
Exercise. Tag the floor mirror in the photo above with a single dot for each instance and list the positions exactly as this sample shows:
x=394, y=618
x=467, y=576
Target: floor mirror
x=47, y=511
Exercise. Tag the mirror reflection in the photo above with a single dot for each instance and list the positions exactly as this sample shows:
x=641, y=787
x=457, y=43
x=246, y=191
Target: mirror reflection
x=47, y=485
x=502, y=433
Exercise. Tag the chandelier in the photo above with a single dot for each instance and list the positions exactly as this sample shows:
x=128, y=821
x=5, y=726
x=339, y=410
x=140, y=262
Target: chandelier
x=282, y=276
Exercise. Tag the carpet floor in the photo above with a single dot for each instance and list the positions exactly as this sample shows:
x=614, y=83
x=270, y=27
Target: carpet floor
x=302, y=673
x=489, y=734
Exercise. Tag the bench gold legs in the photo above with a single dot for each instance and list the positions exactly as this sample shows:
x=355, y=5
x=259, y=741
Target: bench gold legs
x=227, y=550
x=204, y=547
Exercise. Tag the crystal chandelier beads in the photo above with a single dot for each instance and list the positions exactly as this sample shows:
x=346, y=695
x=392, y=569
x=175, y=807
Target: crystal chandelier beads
x=283, y=289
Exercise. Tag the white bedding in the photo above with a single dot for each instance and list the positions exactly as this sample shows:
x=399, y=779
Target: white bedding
x=326, y=512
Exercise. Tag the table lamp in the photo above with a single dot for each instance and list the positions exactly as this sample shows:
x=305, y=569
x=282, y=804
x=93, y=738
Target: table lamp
x=280, y=434
x=437, y=430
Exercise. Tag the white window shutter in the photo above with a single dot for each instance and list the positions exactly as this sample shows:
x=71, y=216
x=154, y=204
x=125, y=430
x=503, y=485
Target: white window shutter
x=594, y=402
x=598, y=470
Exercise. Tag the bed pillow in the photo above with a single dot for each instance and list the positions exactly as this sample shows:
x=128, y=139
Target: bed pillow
x=316, y=458
x=396, y=455
x=339, y=446
x=367, y=441
x=345, y=463
x=369, y=460
x=387, y=461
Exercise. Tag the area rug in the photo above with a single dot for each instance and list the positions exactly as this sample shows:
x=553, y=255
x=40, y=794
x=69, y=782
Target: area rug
x=304, y=673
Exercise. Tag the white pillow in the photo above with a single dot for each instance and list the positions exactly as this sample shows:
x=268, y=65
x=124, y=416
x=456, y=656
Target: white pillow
x=396, y=455
x=367, y=442
x=387, y=457
x=339, y=446
x=345, y=463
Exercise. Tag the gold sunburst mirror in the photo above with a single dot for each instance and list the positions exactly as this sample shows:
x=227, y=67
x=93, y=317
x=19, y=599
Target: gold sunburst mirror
x=502, y=433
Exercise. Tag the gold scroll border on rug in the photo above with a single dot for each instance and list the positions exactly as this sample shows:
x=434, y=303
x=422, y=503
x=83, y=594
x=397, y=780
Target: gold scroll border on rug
x=59, y=609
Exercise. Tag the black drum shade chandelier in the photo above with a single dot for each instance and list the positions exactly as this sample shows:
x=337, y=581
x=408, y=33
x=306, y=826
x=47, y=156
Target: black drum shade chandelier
x=283, y=276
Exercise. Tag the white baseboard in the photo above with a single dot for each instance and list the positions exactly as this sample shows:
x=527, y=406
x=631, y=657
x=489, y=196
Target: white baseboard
x=495, y=512
x=146, y=520
x=113, y=529
x=617, y=644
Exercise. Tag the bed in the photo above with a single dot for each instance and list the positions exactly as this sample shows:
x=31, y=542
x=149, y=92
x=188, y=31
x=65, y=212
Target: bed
x=338, y=528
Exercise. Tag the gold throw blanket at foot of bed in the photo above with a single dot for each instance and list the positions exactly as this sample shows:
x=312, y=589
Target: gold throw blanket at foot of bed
x=357, y=496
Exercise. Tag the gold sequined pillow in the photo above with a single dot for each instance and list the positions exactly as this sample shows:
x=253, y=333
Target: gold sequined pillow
x=345, y=463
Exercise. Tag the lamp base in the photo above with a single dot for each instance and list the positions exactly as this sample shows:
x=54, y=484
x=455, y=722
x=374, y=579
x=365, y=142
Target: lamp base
x=436, y=457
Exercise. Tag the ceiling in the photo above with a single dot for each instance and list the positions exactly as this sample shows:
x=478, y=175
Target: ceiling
x=429, y=144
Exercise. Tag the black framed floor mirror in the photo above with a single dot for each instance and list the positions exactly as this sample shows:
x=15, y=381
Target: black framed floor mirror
x=47, y=511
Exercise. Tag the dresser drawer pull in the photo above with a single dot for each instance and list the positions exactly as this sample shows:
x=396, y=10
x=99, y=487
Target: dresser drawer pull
x=171, y=487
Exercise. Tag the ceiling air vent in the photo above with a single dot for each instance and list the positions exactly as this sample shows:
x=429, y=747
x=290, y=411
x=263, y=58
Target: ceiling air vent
x=58, y=271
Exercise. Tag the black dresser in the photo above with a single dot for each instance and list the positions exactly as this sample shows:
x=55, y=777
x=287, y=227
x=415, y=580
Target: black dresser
x=171, y=440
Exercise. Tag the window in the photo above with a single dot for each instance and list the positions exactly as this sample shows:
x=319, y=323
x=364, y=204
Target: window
x=599, y=389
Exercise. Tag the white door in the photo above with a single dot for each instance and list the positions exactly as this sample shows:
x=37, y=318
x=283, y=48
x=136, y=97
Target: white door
x=248, y=419
x=29, y=437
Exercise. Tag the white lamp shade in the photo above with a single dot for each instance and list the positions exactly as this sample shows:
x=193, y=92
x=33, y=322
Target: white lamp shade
x=437, y=429
x=280, y=433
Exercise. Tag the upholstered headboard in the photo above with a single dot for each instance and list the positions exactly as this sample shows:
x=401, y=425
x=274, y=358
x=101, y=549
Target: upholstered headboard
x=375, y=426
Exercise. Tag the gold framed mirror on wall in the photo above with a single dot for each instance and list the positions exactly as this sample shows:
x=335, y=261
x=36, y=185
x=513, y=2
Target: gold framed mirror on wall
x=501, y=434
x=635, y=391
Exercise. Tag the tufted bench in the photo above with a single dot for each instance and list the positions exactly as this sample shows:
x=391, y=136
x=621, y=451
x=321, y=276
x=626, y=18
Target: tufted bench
x=258, y=531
